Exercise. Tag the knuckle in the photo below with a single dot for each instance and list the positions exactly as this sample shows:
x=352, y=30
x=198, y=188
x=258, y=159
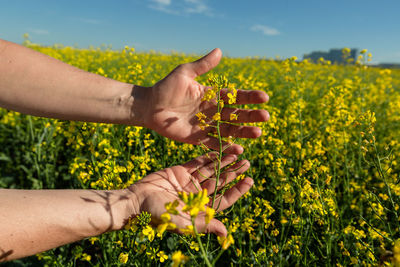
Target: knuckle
x=181, y=67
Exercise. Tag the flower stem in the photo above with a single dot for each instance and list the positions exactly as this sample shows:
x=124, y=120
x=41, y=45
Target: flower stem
x=203, y=252
x=218, y=172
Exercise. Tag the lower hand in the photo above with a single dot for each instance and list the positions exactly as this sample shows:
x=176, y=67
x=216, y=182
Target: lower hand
x=155, y=190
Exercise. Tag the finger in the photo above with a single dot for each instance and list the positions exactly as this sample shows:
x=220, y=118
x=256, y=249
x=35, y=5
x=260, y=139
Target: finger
x=214, y=226
x=244, y=115
x=227, y=176
x=204, y=64
x=194, y=164
x=208, y=170
x=233, y=194
x=183, y=221
x=213, y=143
x=247, y=96
x=239, y=131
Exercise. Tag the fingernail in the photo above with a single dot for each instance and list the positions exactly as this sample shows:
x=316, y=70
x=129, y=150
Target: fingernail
x=251, y=183
x=258, y=132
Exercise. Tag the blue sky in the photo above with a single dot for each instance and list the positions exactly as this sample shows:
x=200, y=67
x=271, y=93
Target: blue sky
x=240, y=28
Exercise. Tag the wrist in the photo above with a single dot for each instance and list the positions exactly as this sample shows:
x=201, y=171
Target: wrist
x=131, y=104
x=121, y=205
x=133, y=203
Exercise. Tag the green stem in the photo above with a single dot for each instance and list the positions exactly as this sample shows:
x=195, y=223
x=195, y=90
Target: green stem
x=382, y=174
x=203, y=252
x=218, y=172
x=218, y=256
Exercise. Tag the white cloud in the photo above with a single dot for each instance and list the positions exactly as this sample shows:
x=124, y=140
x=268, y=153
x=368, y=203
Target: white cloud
x=266, y=30
x=197, y=7
x=181, y=7
x=39, y=31
x=163, y=6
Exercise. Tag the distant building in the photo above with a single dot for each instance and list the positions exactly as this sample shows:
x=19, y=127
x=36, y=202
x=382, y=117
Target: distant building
x=334, y=55
x=388, y=65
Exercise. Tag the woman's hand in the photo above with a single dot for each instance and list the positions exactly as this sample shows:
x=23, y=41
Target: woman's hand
x=174, y=101
x=155, y=190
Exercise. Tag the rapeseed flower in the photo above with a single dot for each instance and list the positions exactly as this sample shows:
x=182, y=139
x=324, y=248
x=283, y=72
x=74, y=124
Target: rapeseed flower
x=162, y=256
x=123, y=257
x=226, y=241
x=178, y=258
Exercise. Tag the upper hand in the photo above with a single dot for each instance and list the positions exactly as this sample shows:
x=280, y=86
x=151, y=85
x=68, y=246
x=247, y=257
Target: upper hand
x=175, y=100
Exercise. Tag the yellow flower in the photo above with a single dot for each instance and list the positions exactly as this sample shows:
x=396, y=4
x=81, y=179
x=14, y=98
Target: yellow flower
x=171, y=207
x=209, y=214
x=225, y=242
x=363, y=51
x=221, y=103
x=203, y=125
x=189, y=230
x=184, y=197
x=194, y=246
x=166, y=225
x=161, y=228
x=208, y=95
x=194, y=202
x=100, y=71
x=86, y=257
x=178, y=258
x=119, y=243
x=132, y=224
x=93, y=239
x=165, y=217
x=201, y=116
x=163, y=257
x=194, y=211
x=354, y=260
x=396, y=253
x=232, y=96
x=233, y=117
x=238, y=252
x=217, y=116
x=203, y=197
x=148, y=231
x=151, y=253
x=123, y=257
x=346, y=50
x=275, y=232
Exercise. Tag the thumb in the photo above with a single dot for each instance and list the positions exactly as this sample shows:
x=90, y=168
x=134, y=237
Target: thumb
x=205, y=64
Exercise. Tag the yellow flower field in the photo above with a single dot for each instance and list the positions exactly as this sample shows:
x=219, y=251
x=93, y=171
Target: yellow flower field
x=326, y=168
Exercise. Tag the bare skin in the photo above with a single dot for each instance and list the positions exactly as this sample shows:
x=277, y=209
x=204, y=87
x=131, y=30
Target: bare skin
x=32, y=221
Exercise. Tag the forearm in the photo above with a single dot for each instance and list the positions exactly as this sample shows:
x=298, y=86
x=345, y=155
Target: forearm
x=36, y=84
x=33, y=221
